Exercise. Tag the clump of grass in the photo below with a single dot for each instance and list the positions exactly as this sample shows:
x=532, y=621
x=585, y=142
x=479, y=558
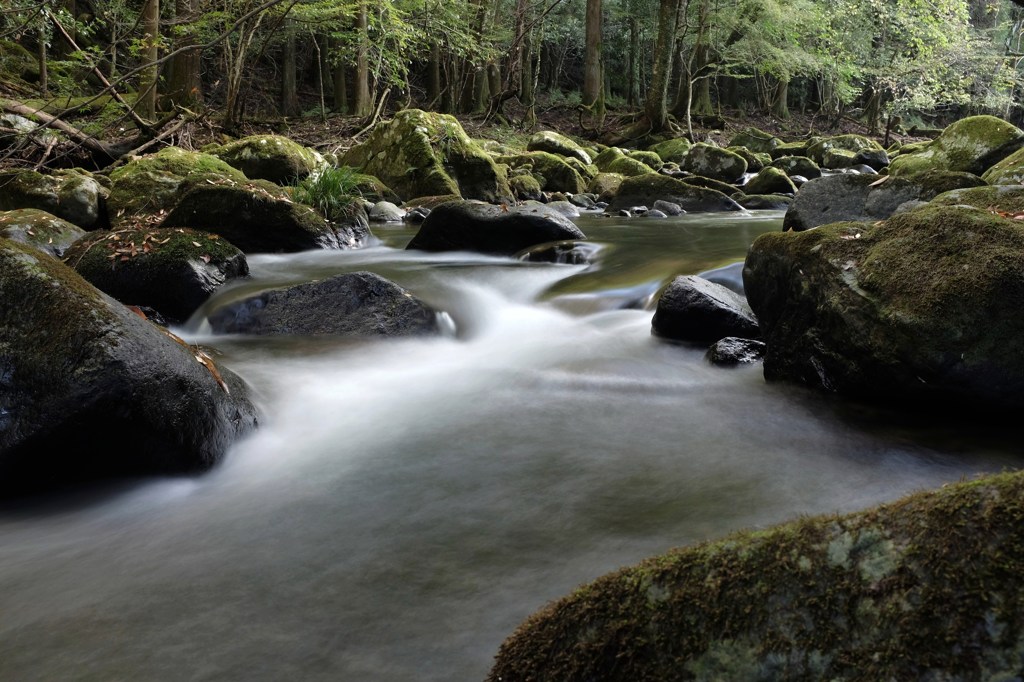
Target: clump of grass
x=334, y=192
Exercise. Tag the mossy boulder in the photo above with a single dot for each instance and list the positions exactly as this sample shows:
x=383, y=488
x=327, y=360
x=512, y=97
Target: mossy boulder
x=1007, y=199
x=151, y=185
x=1009, y=171
x=40, y=230
x=644, y=190
x=710, y=183
x=694, y=310
x=628, y=167
x=424, y=154
x=795, y=148
x=88, y=388
x=258, y=216
x=16, y=61
x=714, y=162
x=972, y=145
x=838, y=158
x=352, y=305
x=755, y=140
x=835, y=198
x=770, y=180
x=922, y=308
x=485, y=228
x=850, y=143
x=763, y=202
x=556, y=143
x=270, y=157
x=798, y=165
x=171, y=270
x=554, y=173
x=525, y=186
x=72, y=195
x=755, y=162
x=607, y=156
x=671, y=151
x=606, y=186
x=650, y=159
x=925, y=588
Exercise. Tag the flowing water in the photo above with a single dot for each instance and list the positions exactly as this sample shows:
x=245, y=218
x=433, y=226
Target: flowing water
x=406, y=504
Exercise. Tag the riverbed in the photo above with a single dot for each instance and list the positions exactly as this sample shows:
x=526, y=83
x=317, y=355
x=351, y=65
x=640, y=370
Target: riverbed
x=407, y=503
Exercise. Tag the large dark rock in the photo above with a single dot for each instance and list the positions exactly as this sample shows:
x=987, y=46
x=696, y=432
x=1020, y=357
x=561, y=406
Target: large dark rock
x=923, y=308
x=475, y=226
x=257, y=216
x=171, y=270
x=72, y=195
x=695, y=310
x=356, y=305
x=39, y=229
x=835, y=198
x=732, y=351
x=926, y=588
x=714, y=162
x=88, y=388
x=644, y=190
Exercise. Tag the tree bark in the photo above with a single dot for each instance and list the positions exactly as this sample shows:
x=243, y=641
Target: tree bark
x=434, y=74
x=656, y=103
x=184, y=84
x=780, y=99
x=593, y=68
x=340, y=74
x=363, y=105
x=633, y=88
x=289, y=89
x=146, y=105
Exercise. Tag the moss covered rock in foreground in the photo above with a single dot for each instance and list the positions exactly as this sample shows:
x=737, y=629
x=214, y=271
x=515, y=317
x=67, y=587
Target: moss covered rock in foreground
x=971, y=144
x=40, y=230
x=927, y=588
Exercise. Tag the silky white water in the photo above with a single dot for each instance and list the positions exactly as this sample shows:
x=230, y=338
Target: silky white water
x=406, y=504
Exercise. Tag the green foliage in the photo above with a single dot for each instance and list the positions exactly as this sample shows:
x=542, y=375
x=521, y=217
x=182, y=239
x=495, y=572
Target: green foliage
x=334, y=192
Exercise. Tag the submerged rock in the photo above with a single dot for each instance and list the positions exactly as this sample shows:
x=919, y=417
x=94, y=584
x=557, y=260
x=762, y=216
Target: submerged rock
x=696, y=310
x=921, y=309
x=171, y=270
x=88, y=388
x=926, y=588
x=476, y=226
x=40, y=230
x=354, y=305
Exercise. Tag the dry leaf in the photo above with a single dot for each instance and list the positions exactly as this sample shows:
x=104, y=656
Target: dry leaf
x=205, y=258
x=196, y=244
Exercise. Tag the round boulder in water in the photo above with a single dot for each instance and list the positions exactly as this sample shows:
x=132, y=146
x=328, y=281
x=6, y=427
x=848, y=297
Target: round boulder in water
x=357, y=304
x=732, y=351
x=695, y=310
x=489, y=228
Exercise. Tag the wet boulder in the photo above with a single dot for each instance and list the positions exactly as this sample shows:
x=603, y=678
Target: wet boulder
x=921, y=589
x=696, y=310
x=605, y=186
x=971, y=145
x=607, y=156
x=836, y=198
x=556, y=143
x=873, y=158
x=72, y=195
x=921, y=308
x=503, y=230
x=644, y=190
x=171, y=270
x=40, y=230
x=755, y=162
x=525, y=187
x=797, y=165
x=385, y=212
x=714, y=162
x=770, y=180
x=427, y=154
x=89, y=388
x=732, y=351
x=270, y=157
x=763, y=202
x=260, y=217
x=352, y=305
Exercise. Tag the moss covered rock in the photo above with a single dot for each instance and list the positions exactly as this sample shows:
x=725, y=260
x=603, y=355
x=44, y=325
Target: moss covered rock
x=710, y=183
x=425, y=154
x=972, y=145
x=556, y=143
x=628, y=167
x=770, y=180
x=88, y=388
x=606, y=186
x=1009, y=171
x=476, y=226
x=994, y=198
x=525, y=187
x=755, y=162
x=258, y=216
x=607, y=156
x=795, y=148
x=755, y=140
x=714, y=162
x=270, y=157
x=673, y=150
x=149, y=185
x=40, y=230
x=838, y=158
x=650, y=159
x=850, y=143
x=172, y=270
x=16, y=61
x=763, y=202
x=644, y=190
x=554, y=173
x=798, y=165
x=925, y=588
x=921, y=308
x=72, y=195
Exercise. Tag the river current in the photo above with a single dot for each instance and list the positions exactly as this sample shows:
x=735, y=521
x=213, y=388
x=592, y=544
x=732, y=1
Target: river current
x=406, y=504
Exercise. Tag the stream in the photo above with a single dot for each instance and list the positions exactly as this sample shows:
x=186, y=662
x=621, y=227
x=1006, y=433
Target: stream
x=407, y=503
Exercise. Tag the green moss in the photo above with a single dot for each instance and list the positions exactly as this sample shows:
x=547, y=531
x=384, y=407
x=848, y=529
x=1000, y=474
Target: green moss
x=711, y=183
x=628, y=167
x=673, y=150
x=606, y=185
x=1005, y=198
x=608, y=156
x=651, y=159
x=39, y=229
x=755, y=140
x=132, y=247
x=270, y=157
x=713, y=162
x=554, y=173
x=972, y=145
x=925, y=588
x=525, y=187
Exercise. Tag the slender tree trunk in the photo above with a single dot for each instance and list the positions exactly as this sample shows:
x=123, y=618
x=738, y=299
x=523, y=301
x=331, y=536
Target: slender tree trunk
x=656, y=103
x=184, y=84
x=44, y=75
x=146, y=106
x=593, y=67
x=780, y=99
x=434, y=75
x=289, y=69
x=702, y=104
x=363, y=105
x=340, y=83
x=633, y=68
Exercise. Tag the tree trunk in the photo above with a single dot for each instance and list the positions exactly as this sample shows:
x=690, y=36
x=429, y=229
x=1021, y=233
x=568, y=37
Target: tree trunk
x=146, y=105
x=873, y=111
x=434, y=75
x=289, y=89
x=184, y=84
x=780, y=99
x=656, y=103
x=633, y=69
x=44, y=76
x=340, y=74
x=364, y=107
x=702, y=105
x=593, y=66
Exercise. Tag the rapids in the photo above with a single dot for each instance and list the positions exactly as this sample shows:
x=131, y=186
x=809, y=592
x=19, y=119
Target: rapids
x=406, y=504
